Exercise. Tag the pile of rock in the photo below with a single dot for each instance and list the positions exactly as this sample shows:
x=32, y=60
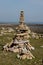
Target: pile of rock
x=21, y=47
x=20, y=43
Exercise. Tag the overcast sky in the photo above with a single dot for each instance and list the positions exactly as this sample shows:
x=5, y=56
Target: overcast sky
x=10, y=9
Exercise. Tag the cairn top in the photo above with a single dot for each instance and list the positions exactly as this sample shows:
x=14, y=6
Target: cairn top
x=22, y=17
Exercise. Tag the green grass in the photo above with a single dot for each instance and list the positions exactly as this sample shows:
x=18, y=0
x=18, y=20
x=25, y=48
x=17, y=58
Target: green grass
x=9, y=58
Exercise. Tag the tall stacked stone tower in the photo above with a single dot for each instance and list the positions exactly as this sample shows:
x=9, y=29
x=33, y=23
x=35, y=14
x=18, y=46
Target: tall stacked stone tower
x=22, y=29
x=20, y=43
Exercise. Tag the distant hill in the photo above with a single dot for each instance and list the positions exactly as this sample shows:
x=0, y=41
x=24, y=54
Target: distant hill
x=38, y=28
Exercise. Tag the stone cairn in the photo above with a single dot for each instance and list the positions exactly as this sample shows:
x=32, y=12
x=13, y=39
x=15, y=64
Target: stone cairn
x=20, y=43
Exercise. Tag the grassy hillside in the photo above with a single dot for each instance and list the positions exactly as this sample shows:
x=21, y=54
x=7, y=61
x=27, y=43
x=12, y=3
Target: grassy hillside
x=9, y=58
